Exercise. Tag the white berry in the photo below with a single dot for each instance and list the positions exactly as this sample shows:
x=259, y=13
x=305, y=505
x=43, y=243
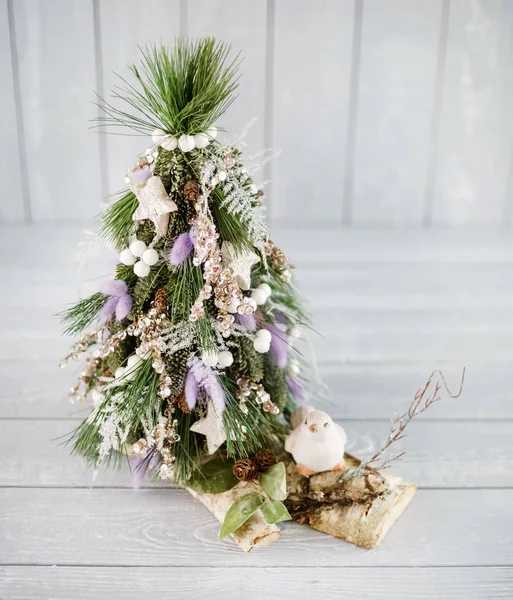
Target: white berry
x=225, y=359
x=210, y=358
x=150, y=257
x=137, y=248
x=253, y=188
x=260, y=345
x=264, y=334
x=186, y=143
x=141, y=269
x=120, y=371
x=212, y=132
x=133, y=360
x=201, y=140
x=266, y=288
x=234, y=304
x=126, y=257
x=251, y=302
x=222, y=175
x=158, y=136
x=169, y=143
x=259, y=296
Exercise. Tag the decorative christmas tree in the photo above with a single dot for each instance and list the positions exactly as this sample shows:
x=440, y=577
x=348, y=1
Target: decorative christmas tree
x=192, y=367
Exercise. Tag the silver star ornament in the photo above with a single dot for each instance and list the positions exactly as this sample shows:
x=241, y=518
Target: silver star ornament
x=211, y=427
x=240, y=263
x=154, y=203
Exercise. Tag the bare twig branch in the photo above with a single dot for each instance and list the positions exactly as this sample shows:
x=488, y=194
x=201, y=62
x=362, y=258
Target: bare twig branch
x=423, y=399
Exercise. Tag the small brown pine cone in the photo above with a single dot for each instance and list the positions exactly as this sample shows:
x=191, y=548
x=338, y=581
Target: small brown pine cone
x=182, y=403
x=161, y=299
x=264, y=459
x=245, y=469
x=191, y=190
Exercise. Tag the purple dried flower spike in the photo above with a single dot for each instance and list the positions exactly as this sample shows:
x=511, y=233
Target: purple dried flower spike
x=295, y=388
x=247, y=321
x=119, y=303
x=200, y=377
x=181, y=249
x=279, y=345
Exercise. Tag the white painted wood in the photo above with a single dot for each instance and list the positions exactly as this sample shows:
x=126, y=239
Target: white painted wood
x=57, y=78
x=477, y=583
x=125, y=25
x=397, y=79
x=315, y=247
x=475, y=149
x=11, y=206
x=243, y=24
x=439, y=454
x=168, y=527
x=312, y=66
x=37, y=389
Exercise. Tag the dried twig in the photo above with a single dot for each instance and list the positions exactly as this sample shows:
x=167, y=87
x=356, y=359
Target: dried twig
x=421, y=402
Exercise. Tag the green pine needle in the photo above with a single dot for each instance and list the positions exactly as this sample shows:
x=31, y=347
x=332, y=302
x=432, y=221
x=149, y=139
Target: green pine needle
x=117, y=221
x=82, y=313
x=183, y=89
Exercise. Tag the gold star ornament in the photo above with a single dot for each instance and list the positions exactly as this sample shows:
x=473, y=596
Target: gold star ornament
x=211, y=427
x=240, y=262
x=154, y=203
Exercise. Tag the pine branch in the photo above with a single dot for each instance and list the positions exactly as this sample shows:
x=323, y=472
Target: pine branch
x=183, y=89
x=79, y=316
x=117, y=222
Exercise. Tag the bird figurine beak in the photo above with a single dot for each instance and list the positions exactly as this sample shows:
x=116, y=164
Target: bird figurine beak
x=313, y=428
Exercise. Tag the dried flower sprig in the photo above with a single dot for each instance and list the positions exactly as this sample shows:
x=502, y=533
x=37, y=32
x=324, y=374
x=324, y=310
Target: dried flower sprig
x=421, y=402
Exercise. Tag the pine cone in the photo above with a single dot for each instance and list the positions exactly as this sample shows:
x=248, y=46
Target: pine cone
x=191, y=190
x=264, y=459
x=161, y=299
x=182, y=403
x=245, y=469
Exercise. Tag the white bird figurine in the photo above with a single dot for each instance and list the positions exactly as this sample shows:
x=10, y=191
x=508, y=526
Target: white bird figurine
x=316, y=443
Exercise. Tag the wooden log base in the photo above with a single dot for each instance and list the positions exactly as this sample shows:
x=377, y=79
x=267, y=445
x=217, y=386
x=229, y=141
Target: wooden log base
x=360, y=510
x=255, y=533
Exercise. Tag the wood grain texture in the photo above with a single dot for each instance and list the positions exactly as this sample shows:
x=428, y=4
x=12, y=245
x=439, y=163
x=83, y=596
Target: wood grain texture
x=10, y=168
x=241, y=23
x=167, y=527
x=23, y=583
x=439, y=454
x=57, y=77
x=396, y=89
x=474, y=148
x=126, y=25
x=310, y=109
x=37, y=389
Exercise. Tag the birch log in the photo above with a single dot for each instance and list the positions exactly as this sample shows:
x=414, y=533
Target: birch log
x=255, y=533
x=360, y=510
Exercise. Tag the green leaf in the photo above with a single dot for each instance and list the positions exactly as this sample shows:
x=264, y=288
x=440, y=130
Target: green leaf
x=275, y=511
x=239, y=512
x=274, y=482
x=213, y=477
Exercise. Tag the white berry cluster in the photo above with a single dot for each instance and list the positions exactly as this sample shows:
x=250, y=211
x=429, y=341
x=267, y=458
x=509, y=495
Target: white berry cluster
x=222, y=359
x=128, y=372
x=138, y=250
x=185, y=142
x=261, y=294
x=262, y=341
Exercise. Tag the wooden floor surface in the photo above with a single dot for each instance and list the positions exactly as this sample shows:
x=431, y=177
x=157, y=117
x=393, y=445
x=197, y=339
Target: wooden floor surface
x=389, y=308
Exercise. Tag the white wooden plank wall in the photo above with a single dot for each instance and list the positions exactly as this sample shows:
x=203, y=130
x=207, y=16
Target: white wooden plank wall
x=386, y=112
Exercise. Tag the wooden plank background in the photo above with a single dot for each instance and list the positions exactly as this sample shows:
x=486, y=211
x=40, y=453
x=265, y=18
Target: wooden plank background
x=386, y=112
x=389, y=309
